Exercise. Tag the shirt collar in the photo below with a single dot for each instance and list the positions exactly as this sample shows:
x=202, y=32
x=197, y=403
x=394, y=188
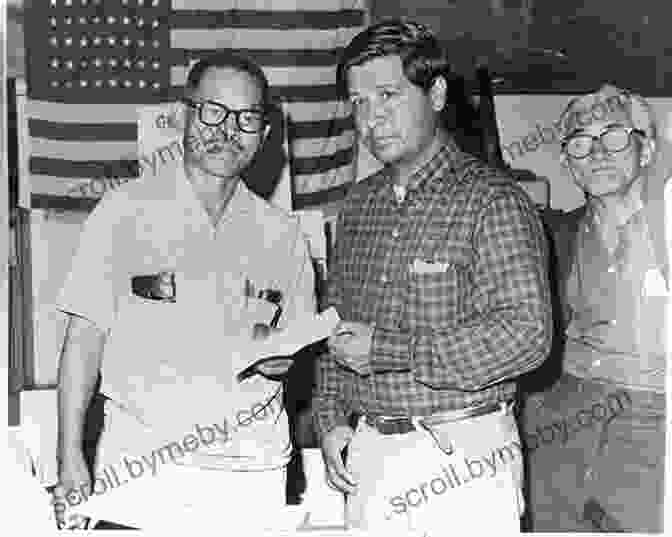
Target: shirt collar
x=426, y=178
x=242, y=201
x=624, y=213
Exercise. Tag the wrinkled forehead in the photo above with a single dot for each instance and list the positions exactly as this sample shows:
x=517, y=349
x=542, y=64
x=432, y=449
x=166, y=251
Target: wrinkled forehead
x=595, y=111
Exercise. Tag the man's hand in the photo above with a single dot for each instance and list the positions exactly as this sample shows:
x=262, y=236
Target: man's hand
x=351, y=346
x=332, y=444
x=73, y=488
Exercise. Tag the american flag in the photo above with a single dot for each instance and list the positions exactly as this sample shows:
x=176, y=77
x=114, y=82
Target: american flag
x=92, y=64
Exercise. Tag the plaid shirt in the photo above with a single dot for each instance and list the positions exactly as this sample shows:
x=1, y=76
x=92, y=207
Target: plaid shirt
x=443, y=339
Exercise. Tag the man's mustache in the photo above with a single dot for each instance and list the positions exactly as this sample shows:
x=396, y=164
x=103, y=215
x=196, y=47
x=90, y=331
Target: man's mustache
x=214, y=140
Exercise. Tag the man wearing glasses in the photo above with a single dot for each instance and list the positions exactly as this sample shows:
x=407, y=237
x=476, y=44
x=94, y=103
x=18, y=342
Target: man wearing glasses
x=596, y=438
x=172, y=275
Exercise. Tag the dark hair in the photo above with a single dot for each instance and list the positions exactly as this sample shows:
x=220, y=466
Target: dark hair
x=229, y=60
x=422, y=56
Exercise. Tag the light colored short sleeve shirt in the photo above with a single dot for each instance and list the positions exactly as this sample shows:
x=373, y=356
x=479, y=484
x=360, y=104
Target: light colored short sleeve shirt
x=169, y=367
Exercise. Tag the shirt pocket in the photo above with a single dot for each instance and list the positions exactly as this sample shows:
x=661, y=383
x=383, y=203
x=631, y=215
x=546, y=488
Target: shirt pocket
x=436, y=299
x=146, y=326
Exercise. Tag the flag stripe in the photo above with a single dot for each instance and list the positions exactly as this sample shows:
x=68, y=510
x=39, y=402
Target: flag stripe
x=118, y=96
x=322, y=197
x=88, y=169
x=218, y=38
x=74, y=112
x=314, y=147
x=308, y=112
x=82, y=151
x=83, y=187
x=63, y=203
x=277, y=76
x=264, y=56
x=319, y=129
x=266, y=20
x=268, y=5
x=84, y=132
x=323, y=163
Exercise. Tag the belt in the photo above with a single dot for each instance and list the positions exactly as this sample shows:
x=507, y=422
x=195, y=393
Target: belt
x=401, y=424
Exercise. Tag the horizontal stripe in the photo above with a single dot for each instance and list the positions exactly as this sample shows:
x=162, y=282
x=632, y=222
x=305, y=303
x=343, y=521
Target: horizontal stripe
x=83, y=151
x=257, y=19
x=320, y=197
x=277, y=76
x=322, y=165
x=316, y=147
x=265, y=57
x=69, y=187
x=324, y=128
x=305, y=93
x=218, y=38
x=286, y=94
x=99, y=132
x=82, y=112
x=269, y=5
x=62, y=203
x=283, y=94
x=81, y=169
x=114, y=96
x=305, y=184
x=312, y=111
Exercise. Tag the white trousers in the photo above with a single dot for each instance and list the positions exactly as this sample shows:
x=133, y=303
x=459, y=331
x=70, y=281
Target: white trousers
x=175, y=497
x=464, y=477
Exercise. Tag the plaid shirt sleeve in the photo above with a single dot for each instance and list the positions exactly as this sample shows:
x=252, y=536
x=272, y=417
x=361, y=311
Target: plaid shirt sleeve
x=512, y=331
x=328, y=402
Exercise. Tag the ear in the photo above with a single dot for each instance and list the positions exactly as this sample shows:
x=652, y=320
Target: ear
x=438, y=93
x=178, y=116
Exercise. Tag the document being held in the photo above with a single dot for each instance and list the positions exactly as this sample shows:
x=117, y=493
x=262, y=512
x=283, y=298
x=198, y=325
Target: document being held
x=271, y=357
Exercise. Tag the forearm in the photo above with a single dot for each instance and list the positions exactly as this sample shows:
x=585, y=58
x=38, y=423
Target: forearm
x=500, y=347
x=78, y=372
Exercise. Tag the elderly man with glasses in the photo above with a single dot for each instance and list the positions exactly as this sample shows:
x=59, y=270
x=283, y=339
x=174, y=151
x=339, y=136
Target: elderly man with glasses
x=596, y=438
x=172, y=276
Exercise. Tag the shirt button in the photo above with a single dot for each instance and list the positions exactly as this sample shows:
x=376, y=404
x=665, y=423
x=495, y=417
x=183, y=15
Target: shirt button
x=395, y=233
x=589, y=474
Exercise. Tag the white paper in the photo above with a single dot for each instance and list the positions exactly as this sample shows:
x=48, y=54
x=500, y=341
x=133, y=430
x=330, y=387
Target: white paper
x=295, y=336
x=312, y=226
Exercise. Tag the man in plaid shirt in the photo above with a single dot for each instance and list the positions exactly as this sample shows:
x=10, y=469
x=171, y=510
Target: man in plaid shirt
x=440, y=277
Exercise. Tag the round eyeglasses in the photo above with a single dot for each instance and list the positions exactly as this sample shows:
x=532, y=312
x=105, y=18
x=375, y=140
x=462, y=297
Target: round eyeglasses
x=213, y=114
x=612, y=139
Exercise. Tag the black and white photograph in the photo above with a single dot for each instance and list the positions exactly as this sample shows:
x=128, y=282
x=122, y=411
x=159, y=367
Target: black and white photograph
x=337, y=267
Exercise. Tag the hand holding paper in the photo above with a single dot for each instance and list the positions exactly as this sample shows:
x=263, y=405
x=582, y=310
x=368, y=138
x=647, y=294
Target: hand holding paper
x=276, y=353
x=351, y=346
